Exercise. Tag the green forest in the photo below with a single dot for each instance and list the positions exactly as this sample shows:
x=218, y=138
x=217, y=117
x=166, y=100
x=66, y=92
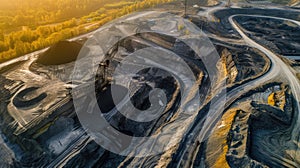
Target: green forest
x=30, y=25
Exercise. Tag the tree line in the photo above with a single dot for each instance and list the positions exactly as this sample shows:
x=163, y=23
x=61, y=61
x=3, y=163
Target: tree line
x=32, y=13
x=29, y=39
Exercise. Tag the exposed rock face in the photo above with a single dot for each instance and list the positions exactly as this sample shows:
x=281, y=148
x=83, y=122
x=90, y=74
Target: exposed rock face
x=239, y=63
x=251, y=126
x=40, y=126
x=294, y=2
x=217, y=147
x=274, y=33
x=231, y=69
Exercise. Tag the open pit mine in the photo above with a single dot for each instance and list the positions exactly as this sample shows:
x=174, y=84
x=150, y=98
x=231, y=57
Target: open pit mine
x=212, y=86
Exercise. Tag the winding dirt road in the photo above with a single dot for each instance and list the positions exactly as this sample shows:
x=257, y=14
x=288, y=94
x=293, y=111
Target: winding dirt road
x=201, y=128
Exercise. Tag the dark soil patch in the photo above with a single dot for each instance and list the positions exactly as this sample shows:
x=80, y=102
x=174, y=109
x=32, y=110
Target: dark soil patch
x=60, y=53
x=106, y=101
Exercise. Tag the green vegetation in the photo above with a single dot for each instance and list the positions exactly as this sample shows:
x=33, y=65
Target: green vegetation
x=32, y=13
x=41, y=28
x=118, y=5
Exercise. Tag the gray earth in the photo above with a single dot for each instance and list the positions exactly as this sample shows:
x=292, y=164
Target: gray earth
x=215, y=87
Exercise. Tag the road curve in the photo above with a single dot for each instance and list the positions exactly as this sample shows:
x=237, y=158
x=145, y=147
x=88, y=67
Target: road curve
x=279, y=66
x=199, y=130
